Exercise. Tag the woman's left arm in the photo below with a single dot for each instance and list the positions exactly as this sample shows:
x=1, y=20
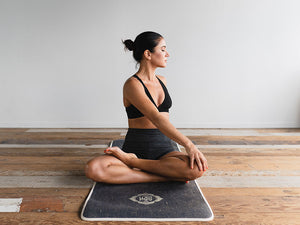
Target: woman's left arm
x=196, y=156
x=166, y=127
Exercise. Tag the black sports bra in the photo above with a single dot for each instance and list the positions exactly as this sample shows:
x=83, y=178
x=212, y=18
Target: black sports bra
x=133, y=112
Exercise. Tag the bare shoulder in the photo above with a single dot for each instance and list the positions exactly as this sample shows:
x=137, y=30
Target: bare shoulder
x=131, y=84
x=162, y=78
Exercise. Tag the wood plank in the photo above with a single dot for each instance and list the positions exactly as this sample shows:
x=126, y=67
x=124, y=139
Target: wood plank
x=246, y=140
x=10, y=204
x=40, y=170
x=258, y=150
x=58, y=138
x=83, y=130
x=66, y=192
x=45, y=182
x=43, y=152
x=249, y=181
x=251, y=173
x=13, y=130
x=61, y=135
x=211, y=193
x=59, y=160
x=42, y=204
x=277, y=130
x=278, y=218
x=48, y=199
x=233, y=163
x=246, y=147
x=255, y=204
x=237, y=132
x=85, y=141
x=259, y=130
x=43, y=146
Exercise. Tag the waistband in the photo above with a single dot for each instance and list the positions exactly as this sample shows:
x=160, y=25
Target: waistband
x=143, y=131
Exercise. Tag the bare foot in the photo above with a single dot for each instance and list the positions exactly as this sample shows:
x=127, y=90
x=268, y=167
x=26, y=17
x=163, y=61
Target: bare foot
x=120, y=154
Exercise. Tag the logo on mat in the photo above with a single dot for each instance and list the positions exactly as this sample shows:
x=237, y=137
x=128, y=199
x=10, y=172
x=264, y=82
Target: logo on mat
x=145, y=199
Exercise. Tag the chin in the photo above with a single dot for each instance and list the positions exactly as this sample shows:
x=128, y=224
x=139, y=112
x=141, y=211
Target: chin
x=163, y=65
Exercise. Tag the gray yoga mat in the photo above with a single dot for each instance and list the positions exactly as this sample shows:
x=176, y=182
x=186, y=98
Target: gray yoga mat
x=164, y=201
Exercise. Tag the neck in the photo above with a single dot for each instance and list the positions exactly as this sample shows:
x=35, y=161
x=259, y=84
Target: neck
x=146, y=71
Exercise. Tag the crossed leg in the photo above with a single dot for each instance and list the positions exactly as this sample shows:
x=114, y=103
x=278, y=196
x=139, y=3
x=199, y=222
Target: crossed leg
x=109, y=169
x=119, y=167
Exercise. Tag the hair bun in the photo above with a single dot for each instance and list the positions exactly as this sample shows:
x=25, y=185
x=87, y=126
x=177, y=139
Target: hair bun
x=129, y=44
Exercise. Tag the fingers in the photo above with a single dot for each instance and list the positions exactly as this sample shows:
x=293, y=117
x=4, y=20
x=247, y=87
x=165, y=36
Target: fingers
x=199, y=164
x=192, y=161
x=107, y=151
x=204, y=162
x=196, y=159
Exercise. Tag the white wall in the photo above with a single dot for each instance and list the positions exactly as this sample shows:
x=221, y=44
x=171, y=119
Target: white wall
x=234, y=63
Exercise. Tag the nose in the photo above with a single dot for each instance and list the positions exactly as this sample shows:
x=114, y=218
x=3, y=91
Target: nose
x=167, y=55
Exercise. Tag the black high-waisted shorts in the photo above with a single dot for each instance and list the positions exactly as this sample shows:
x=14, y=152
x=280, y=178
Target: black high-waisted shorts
x=148, y=143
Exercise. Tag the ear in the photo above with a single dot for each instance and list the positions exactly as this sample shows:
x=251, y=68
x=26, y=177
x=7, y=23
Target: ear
x=147, y=54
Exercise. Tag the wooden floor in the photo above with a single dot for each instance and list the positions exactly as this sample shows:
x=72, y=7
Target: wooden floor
x=253, y=176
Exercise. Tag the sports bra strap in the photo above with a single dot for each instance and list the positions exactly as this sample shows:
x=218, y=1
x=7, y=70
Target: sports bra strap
x=146, y=89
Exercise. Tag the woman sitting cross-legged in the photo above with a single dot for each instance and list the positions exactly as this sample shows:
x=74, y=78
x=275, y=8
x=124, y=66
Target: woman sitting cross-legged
x=148, y=154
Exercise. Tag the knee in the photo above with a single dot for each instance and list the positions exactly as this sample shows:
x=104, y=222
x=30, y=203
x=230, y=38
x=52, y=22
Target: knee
x=90, y=168
x=95, y=170
x=193, y=174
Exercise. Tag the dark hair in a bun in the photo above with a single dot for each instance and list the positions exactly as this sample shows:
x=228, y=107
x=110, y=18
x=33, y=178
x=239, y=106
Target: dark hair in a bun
x=129, y=44
x=145, y=41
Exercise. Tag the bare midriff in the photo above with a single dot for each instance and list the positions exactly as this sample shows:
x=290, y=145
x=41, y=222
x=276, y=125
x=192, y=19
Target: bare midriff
x=144, y=122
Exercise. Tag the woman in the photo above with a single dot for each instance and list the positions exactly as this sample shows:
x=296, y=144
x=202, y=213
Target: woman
x=147, y=154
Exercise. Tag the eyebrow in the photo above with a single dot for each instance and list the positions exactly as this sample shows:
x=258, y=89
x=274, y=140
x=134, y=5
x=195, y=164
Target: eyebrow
x=163, y=46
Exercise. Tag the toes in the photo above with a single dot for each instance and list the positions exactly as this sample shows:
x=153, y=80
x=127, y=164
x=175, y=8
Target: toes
x=107, y=151
x=112, y=150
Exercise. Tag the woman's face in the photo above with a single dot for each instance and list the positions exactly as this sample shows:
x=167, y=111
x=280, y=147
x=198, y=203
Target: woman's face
x=160, y=54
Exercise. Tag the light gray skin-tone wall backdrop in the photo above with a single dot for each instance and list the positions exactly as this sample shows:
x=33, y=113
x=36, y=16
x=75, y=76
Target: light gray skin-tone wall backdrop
x=233, y=63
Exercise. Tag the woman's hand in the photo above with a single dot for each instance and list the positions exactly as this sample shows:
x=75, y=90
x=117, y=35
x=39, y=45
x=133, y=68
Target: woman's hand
x=196, y=157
